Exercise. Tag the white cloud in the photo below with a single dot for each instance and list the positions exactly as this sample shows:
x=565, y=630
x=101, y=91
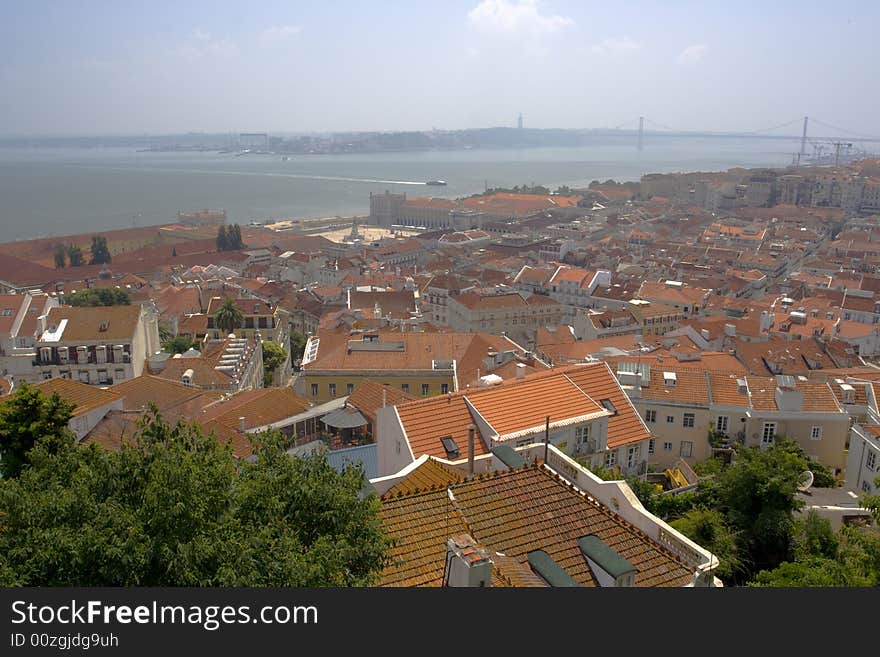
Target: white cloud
x=278, y=33
x=693, y=54
x=515, y=17
x=616, y=46
x=203, y=46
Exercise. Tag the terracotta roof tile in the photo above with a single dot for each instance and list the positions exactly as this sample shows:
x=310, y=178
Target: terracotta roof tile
x=515, y=512
x=84, y=396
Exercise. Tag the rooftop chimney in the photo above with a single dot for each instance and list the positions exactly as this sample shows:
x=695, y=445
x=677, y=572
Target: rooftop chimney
x=241, y=424
x=467, y=564
x=520, y=370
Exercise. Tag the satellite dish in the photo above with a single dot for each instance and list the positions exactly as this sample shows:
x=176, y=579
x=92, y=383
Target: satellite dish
x=805, y=480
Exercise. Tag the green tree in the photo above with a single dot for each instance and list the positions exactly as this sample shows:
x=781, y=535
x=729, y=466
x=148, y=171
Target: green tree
x=297, y=345
x=872, y=502
x=229, y=316
x=60, y=256
x=165, y=331
x=100, y=296
x=758, y=495
x=234, y=235
x=180, y=344
x=75, y=255
x=175, y=508
x=222, y=238
x=100, y=252
x=708, y=528
x=27, y=417
x=273, y=356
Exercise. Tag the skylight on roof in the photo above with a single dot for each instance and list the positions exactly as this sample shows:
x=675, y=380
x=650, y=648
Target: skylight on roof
x=450, y=446
x=609, y=405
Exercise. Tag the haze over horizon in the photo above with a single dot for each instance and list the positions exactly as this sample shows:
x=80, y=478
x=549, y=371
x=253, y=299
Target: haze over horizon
x=103, y=68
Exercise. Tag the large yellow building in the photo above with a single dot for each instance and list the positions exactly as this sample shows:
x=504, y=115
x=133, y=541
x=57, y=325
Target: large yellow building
x=335, y=362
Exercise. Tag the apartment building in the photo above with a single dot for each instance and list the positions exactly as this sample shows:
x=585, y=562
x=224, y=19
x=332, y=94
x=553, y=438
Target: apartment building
x=502, y=312
x=336, y=361
x=581, y=409
x=19, y=322
x=100, y=346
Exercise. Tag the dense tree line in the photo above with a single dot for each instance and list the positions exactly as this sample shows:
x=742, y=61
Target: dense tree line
x=229, y=238
x=748, y=515
x=100, y=296
x=174, y=508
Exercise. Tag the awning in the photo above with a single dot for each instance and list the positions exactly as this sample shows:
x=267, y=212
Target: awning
x=344, y=419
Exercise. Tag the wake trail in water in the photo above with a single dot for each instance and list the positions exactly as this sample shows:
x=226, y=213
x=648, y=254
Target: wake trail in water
x=273, y=174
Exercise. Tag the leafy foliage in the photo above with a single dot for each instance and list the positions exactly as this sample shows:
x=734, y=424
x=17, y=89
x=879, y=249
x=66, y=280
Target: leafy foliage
x=180, y=344
x=100, y=252
x=229, y=316
x=229, y=237
x=175, y=508
x=27, y=417
x=75, y=255
x=100, y=296
x=273, y=356
x=60, y=256
x=707, y=527
x=297, y=345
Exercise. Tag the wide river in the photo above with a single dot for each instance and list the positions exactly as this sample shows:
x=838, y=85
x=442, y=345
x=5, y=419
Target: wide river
x=52, y=191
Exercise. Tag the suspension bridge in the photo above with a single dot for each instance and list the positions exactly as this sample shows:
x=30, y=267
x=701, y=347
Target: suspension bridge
x=842, y=140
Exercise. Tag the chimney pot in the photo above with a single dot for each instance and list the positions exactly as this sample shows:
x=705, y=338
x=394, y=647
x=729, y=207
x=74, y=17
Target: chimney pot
x=241, y=424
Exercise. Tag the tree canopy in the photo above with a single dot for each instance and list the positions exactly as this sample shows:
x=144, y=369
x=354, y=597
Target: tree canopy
x=180, y=344
x=175, y=508
x=229, y=316
x=100, y=252
x=273, y=356
x=229, y=237
x=75, y=255
x=27, y=417
x=99, y=296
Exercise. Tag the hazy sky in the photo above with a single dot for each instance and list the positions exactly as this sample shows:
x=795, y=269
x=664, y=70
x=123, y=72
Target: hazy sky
x=125, y=67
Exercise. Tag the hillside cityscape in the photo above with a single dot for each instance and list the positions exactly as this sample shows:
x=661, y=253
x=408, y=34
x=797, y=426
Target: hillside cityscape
x=297, y=298
x=674, y=338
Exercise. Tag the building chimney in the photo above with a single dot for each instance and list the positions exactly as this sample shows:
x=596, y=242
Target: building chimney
x=520, y=370
x=471, y=430
x=467, y=564
x=384, y=397
x=241, y=424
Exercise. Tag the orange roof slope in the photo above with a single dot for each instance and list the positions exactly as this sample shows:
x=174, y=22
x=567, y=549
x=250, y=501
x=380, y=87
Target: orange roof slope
x=515, y=410
x=368, y=398
x=83, y=396
x=515, y=512
x=429, y=474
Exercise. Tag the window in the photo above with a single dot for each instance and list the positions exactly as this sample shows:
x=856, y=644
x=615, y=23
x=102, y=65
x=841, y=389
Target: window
x=349, y=388
x=610, y=459
x=670, y=419
x=866, y=487
x=609, y=406
x=424, y=390
x=632, y=456
x=404, y=387
x=331, y=388
x=314, y=390
x=119, y=375
x=667, y=447
x=768, y=433
x=721, y=424
x=687, y=448
x=816, y=433
x=650, y=415
x=687, y=421
x=583, y=439
x=871, y=460
x=444, y=388
x=652, y=445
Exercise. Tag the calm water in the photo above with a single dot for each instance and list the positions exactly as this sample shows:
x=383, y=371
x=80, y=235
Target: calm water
x=47, y=192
